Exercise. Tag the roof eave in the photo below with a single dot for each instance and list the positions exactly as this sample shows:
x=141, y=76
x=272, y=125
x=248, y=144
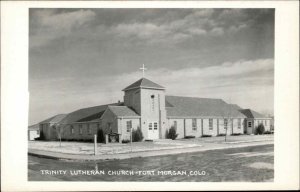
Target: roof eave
x=144, y=87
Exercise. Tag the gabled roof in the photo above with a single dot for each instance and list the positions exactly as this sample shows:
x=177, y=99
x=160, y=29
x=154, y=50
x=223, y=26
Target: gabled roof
x=143, y=83
x=122, y=111
x=251, y=114
x=199, y=107
x=86, y=114
x=55, y=119
x=33, y=127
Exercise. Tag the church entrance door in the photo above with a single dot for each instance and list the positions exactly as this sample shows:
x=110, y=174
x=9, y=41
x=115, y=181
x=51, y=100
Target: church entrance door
x=153, y=131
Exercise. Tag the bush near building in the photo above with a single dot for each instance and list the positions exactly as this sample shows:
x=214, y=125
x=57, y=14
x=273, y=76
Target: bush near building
x=171, y=133
x=260, y=129
x=137, y=135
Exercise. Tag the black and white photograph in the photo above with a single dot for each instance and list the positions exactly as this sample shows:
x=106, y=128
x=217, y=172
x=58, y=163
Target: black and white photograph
x=151, y=95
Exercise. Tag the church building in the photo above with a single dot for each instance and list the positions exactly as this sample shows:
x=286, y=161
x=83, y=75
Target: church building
x=147, y=107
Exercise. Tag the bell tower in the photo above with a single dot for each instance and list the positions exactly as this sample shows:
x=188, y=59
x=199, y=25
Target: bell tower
x=148, y=100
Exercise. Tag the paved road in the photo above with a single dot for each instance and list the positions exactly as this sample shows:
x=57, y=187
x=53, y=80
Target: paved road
x=253, y=163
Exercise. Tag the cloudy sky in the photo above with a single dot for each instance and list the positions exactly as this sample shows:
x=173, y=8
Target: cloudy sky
x=85, y=57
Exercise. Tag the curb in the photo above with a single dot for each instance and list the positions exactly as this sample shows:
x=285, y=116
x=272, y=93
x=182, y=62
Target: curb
x=132, y=155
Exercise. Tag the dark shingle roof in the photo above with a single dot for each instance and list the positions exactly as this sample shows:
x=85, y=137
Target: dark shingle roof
x=200, y=107
x=123, y=111
x=54, y=119
x=86, y=114
x=143, y=83
x=235, y=106
x=251, y=114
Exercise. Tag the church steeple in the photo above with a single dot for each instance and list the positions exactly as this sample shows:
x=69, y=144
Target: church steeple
x=144, y=83
x=148, y=100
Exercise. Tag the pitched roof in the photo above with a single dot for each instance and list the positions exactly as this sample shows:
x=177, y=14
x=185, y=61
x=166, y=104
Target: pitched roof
x=249, y=113
x=199, y=107
x=235, y=106
x=86, y=114
x=33, y=127
x=54, y=119
x=143, y=83
x=123, y=111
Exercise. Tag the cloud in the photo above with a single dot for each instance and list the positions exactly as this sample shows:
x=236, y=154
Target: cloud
x=49, y=25
x=249, y=84
x=198, y=23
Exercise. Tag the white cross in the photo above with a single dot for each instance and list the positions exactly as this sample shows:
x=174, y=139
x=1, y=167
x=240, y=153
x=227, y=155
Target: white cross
x=143, y=69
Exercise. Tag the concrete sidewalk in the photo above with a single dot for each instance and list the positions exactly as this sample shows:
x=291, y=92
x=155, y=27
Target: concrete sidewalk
x=203, y=147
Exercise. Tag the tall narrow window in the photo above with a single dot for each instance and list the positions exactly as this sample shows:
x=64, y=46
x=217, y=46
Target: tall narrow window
x=175, y=125
x=72, y=129
x=80, y=129
x=210, y=124
x=155, y=126
x=194, y=124
x=225, y=123
x=128, y=125
x=239, y=123
x=89, y=129
x=202, y=124
x=152, y=103
x=150, y=126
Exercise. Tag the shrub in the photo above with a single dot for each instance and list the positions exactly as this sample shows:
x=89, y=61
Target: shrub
x=171, y=133
x=260, y=129
x=100, y=136
x=267, y=132
x=189, y=137
x=221, y=134
x=137, y=135
x=125, y=141
x=206, y=136
x=236, y=134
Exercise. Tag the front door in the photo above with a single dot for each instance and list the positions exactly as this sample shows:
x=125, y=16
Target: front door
x=249, y=127
x=152, y=130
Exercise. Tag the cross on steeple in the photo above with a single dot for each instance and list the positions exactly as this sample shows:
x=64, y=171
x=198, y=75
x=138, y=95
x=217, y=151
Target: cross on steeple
x=143, y=69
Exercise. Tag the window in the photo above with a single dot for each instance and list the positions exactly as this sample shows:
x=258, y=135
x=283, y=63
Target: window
x=194, y=124
x=155, y=126
x=210, y=124
x=89, y=130
x=225, y=123
x=99, y=125
x=175, y=125
x=150, y=126
x=80, y=129
x=266, y=122
x=152, y=103
x=249, y=124
x=239, y=123
x=128, y=125
x=202, y=124
x=72, y=129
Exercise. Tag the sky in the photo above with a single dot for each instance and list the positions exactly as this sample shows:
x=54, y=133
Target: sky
x=84, y=57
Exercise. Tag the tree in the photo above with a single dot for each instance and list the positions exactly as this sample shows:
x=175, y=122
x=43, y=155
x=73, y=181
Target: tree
x=59, y=129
